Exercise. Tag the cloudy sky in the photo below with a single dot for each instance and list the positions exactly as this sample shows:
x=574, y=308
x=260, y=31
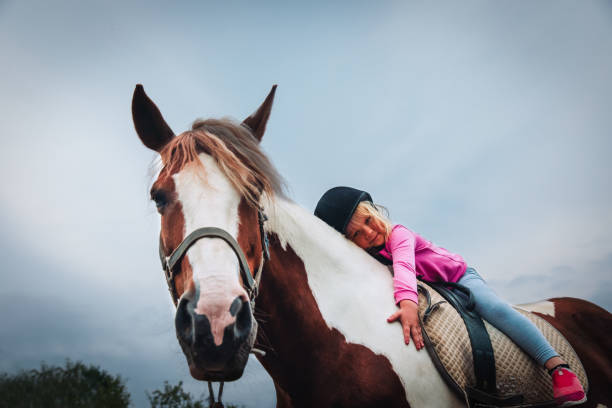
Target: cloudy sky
x=485, y=126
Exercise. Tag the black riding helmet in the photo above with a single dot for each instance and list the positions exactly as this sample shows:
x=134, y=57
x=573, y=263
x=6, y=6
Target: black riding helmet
x=337, y=205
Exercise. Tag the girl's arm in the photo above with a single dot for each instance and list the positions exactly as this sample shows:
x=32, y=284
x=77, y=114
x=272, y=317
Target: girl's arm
x=401, y=245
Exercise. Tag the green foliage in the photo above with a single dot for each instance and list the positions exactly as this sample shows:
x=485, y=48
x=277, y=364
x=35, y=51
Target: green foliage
x=73, y=386
x=173, y=396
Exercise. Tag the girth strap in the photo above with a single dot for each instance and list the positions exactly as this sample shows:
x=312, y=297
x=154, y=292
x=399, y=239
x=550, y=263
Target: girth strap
x=482, y=350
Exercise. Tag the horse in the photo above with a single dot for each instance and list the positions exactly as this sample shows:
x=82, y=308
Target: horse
x=316, y=308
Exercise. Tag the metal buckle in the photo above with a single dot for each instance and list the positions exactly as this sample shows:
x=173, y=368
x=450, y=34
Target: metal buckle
x=262, y=232
x=167, y=270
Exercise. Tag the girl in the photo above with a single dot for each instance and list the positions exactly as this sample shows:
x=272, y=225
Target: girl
x=352, y=213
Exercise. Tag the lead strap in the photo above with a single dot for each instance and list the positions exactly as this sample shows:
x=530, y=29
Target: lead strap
x=212, y=403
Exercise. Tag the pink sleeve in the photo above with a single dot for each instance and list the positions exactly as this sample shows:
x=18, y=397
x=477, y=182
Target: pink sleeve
x=400, y=245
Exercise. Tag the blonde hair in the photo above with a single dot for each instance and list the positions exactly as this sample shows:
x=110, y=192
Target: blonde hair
x=367, y=209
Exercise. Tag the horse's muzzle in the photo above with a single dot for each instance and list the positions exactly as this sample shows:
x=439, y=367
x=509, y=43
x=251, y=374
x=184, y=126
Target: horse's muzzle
x=208, y=361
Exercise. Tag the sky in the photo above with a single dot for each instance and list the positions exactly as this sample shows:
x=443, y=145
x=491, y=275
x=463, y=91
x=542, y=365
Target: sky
x=484, y=126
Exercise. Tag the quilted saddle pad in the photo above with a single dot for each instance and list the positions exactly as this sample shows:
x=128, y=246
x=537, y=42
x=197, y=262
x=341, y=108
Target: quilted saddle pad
x=449, y=345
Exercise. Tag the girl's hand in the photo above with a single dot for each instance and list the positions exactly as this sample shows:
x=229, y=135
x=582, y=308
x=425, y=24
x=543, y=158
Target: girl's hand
x=409, y=318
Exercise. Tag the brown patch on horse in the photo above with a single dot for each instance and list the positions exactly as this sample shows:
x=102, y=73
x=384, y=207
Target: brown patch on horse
x=283, y=400
x=173, y=227
x=249, y=236
x=588, y=328
x=325, y=370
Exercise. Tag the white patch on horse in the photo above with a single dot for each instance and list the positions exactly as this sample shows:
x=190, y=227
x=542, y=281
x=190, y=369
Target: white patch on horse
x=544, y=307
x=209, y=200
x=354, y=293
x=601, y=406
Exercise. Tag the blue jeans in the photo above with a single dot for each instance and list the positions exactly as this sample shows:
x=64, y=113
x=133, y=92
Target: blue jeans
x=510, y=322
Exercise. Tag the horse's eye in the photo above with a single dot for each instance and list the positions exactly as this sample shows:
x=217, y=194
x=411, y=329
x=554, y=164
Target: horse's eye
x=160, y=198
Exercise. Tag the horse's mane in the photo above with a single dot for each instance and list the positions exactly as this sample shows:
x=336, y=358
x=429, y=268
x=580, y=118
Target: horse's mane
x=236, y=151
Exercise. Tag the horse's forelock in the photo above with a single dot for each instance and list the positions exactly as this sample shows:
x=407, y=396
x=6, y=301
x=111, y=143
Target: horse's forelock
x=236, y=151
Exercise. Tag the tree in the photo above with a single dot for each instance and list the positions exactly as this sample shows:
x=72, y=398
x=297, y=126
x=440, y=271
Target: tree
x=173, y=396
x=73, y=386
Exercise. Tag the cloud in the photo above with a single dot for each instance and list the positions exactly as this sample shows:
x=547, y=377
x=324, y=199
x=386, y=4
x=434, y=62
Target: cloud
x=484, y=127
x=590, y=281
x=51, y=313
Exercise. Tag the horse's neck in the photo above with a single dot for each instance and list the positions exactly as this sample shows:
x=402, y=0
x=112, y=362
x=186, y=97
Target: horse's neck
x=341, y=276
x=323, y=304
x=307, y=299
x=302, y=349
x=291, y=330
x=311, y=270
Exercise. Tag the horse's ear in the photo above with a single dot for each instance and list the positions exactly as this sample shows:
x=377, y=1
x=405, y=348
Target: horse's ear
x=150, y=125
x=257, y=121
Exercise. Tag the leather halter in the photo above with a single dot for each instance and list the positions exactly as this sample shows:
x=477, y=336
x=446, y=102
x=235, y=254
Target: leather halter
x=169, y=265
x=251, y=282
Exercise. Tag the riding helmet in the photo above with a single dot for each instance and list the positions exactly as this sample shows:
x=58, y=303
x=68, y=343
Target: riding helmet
x=337, y=205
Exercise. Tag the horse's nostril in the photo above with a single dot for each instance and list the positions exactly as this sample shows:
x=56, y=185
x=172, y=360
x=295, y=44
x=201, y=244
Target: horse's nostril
x=244, y=321
x=235, y=306
x=182, y=321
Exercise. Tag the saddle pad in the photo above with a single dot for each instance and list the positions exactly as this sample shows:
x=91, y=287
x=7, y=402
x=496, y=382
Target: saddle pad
x=516, y=373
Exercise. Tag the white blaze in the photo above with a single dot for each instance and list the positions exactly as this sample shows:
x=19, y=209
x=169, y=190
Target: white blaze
x=354, y=293
x=209, y=200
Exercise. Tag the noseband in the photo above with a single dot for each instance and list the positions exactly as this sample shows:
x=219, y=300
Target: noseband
x=250, y=281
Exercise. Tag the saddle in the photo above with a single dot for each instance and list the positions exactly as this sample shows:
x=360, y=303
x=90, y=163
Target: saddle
x=490, y=370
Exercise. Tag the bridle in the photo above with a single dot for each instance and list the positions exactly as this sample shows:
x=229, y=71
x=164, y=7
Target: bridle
x=250, y=281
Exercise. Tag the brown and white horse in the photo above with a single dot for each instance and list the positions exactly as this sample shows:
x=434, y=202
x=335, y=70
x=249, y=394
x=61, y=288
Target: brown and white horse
x=322, y=302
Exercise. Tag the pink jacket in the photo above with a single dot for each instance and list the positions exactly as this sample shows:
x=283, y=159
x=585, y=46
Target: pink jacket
x=413, y=256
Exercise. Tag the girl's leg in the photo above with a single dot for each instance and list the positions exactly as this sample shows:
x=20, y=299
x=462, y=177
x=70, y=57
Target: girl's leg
x=567, y=390
x=513, y=324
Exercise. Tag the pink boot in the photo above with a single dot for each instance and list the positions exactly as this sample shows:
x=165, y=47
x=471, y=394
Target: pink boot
x=566, y=387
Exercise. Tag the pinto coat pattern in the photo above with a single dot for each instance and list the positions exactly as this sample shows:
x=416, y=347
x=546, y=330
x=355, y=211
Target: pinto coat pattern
x=325, y=346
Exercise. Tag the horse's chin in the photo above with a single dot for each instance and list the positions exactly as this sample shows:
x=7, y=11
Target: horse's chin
x=209, y=365
x=205, y=375
x=228, y=371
